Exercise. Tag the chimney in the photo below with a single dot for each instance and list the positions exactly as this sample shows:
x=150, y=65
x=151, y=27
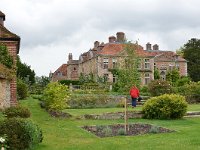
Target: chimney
x=148, y=46
x=112, y=39
x=96, y=44
x=155, y=47
x=120, y=37
x=2, y=18
x=70, y=56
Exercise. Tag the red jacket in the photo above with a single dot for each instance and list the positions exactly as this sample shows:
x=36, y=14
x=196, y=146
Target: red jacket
x=134, y=92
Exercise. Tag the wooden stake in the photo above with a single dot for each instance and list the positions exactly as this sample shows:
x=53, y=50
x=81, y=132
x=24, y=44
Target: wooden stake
x=125, y=115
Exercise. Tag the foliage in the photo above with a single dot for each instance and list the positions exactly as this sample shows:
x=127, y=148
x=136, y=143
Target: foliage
x=173, y=76
x=39, y=85
x=55, y=96
x=156, y=74
x=91, y=101
x=22, y=89
x=68, y=82
x=154, y=129
x=5, y=58
x=183, y=81
x=191, y=91
x=121, y=131
x=191, y=52
x=127, y=71
x=21, y=134
x=107, y=131
x=165, y=107
x=159, y=87
x=17, y=111
x=24, y=72
x=89, y=78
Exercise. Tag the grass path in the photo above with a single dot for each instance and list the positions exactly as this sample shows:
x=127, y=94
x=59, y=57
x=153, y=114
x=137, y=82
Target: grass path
x=66, y=134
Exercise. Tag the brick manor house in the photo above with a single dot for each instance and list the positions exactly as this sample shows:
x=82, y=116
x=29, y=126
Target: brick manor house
x=8, y=88
x=103, y=57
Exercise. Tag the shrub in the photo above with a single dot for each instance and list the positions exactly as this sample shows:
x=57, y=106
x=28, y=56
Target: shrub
x=107, y=131
x=165, y=107
x=55, y=96
x=17, y=111
x=121, y=131
x=159, y=87
x=21, y=134
x=22, y=89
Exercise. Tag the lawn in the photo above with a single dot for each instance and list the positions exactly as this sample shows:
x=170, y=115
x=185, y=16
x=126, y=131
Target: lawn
x=67, y=134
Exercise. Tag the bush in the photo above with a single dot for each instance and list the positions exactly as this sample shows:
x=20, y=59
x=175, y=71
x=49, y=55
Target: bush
x=165, y=107
x=17, y=111
x=68, y=82
x=22, y=89
x=55, y=96
x=159, y=87
x=21, y=134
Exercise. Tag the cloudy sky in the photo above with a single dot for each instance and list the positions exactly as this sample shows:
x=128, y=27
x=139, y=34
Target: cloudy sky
x=50, y=29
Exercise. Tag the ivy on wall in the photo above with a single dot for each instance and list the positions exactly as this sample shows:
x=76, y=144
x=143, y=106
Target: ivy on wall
x=5, y=58
x=6, y=63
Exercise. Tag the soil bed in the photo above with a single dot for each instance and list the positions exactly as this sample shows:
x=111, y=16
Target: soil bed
x=118, y=129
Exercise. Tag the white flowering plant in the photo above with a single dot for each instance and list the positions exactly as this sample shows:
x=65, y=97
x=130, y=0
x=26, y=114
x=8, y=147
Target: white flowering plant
x=3, y=141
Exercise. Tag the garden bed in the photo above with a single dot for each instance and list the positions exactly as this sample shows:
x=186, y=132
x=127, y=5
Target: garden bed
x=119, y=129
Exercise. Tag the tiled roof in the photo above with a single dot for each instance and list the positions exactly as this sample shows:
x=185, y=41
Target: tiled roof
x=2, y=15
x=62, y=69
x=6, y=35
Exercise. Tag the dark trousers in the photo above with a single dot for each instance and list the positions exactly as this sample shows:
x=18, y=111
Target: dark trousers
x=134, y=100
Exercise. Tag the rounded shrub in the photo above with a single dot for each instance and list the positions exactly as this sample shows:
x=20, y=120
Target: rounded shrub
x=159, y=87
x=56, y=96
x=21, y=133
x=22, y=89
x=167, y=106
x=17, y=111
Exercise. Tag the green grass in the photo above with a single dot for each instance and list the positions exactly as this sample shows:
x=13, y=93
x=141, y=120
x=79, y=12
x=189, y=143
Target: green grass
x=67, y=134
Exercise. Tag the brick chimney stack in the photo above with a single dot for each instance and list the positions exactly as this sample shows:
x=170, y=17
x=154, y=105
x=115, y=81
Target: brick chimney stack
x=148, y=46
x=112, y=39
x=70, y=57
x=2, y=18
x=96, y=44
x=155, y=47
x=120, y=37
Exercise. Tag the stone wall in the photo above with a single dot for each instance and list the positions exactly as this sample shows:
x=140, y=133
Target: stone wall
x=5, y=93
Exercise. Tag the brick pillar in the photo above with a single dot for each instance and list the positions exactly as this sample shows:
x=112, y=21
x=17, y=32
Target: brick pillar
x=13, y=92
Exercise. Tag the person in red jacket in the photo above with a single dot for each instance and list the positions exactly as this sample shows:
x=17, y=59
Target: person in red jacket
x=134, y=93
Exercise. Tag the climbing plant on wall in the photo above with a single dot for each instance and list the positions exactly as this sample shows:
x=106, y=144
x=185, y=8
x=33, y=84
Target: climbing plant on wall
x=5, y=58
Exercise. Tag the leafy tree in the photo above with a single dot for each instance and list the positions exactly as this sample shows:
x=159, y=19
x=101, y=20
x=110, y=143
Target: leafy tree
x=156, y=74
x=127, y=71
x=173, y=76
x=24, y=72
x=191, y=52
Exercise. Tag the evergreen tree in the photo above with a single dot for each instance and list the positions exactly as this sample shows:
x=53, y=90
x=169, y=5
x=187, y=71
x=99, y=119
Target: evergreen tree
x=191, y=52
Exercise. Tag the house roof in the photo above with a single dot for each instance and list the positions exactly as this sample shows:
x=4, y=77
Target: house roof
x=62, y=69
x=2, y=15
x=6, y=35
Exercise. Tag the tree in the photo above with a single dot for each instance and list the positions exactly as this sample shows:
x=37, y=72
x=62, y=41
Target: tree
x=191, y=52
x=127, y=71
x=5, y=58
x=24, y=72
x=156, y=74
x=173, y=76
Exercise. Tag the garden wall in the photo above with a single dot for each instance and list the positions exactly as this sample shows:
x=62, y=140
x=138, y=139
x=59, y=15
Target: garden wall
x=4, y=93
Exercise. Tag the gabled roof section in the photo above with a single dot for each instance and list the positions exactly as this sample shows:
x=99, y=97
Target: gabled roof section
x=62, y=69
x=6, y=35
x=2, y=15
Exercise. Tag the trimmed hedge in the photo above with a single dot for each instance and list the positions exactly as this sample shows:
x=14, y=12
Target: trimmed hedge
x=21, y=134
x=167, y=106
x=17, y=111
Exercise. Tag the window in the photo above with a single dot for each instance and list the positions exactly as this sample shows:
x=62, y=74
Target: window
x=114, y=61
x=146, y=64
x=146, y=78
x=177, y=66
x=74, y=69
x=59, y=73
x=105, y=77
x=105, y=63
x=114, y=78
